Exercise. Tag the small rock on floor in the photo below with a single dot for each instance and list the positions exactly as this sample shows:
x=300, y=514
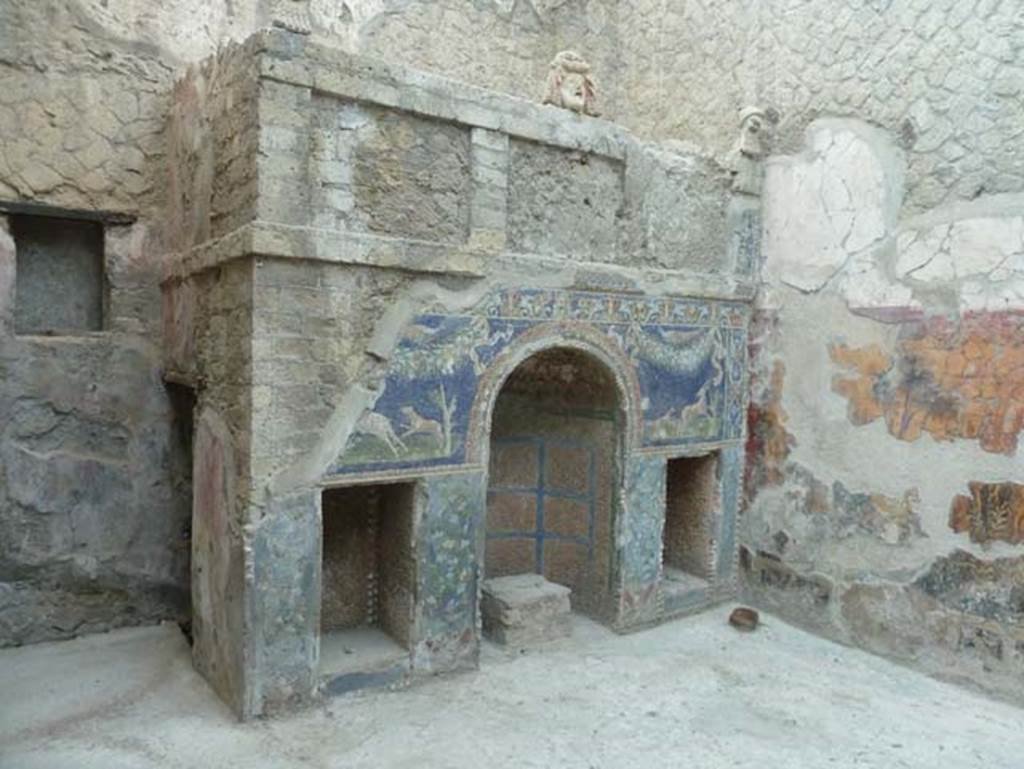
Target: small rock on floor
x=744, y=619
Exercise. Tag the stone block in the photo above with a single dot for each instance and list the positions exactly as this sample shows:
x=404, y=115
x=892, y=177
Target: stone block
x=525, y=609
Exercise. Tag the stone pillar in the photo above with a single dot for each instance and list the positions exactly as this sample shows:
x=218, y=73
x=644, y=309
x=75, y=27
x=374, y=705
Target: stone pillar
x=130, y=282
x=283, y=601
x=639, y=542
x=730, y=484
x=744, y=213
x=286, y=182
x=449, y=562
x=489, y=204
x=218, y=563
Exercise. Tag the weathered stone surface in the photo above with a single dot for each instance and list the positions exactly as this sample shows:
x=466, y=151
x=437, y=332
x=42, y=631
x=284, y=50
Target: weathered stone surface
x=788, y=588
x=951, y=639
x=38, y=610
x=644, y=55
x=88, y=435
x=387, y=172
x=835, y=202
x=564, y=202
x=988, y=589
x=677, y=209
x=60, y=282
x=525, y=609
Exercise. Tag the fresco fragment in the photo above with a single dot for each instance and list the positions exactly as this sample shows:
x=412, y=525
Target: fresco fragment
x=958, y=378
x=992, y=512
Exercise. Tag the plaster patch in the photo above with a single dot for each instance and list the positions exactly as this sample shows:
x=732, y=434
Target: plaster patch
x=837, y=199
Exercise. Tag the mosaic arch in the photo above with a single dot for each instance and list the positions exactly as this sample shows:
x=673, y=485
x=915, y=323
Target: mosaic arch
x=680, y=365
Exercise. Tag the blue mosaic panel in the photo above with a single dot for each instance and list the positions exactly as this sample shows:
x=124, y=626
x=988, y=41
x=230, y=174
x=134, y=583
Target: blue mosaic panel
x=448, y=575
x=643, y=520
x=737, y=382
x=689, y=357
x=732, y=479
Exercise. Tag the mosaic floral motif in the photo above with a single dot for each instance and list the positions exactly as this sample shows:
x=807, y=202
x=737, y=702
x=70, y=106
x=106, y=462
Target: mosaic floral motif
x=641, y=531
x=736, y=389
x=641, y=539
x=732, y=463
x=448, y=534
x=689, y=357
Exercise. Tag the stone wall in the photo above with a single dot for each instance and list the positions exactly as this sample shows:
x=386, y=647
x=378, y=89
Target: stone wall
x=882, y=504
x=95, y=458
x=944, y=78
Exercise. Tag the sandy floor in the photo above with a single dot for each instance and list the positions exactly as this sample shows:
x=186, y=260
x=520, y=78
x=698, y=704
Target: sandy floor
x=692, y=693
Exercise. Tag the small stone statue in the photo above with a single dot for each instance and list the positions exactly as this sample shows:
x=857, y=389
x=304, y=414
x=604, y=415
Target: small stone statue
x=750, y=149
x=292, y=15
x=753, y=127
x=570, y=85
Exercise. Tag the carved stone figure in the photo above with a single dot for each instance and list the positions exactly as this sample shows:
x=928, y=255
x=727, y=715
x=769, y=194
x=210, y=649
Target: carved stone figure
x=753, y=142
x=749, y=150
x=292, y=15
x=570, y=85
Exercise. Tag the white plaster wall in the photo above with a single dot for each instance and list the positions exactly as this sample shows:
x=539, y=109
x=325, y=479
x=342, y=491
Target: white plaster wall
x=846, y=264
x=834, y=218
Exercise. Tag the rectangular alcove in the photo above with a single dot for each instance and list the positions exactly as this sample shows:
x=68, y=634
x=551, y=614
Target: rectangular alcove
x=368, y=579
x=60, y=285
x=691, y=502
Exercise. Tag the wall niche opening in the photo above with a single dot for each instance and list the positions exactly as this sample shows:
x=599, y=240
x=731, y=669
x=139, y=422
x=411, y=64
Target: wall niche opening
x=368, y=577
x=60, y=286
x=555, y=449
x=691, y=502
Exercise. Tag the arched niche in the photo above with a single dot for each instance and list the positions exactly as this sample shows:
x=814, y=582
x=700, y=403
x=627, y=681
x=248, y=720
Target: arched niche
x=557, y=424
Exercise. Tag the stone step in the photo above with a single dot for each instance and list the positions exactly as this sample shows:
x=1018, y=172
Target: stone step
x=525, y=609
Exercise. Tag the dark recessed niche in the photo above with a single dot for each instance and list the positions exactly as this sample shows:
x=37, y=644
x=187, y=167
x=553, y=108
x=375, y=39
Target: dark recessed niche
x=368, y=563
x=59, y=284
x=690, y=505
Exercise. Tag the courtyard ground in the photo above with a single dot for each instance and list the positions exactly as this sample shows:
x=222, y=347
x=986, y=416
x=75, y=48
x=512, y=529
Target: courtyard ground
x=691, y=693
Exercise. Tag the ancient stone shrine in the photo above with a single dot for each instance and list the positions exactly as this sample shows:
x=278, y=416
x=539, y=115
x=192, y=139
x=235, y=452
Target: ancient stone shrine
x=440, y=335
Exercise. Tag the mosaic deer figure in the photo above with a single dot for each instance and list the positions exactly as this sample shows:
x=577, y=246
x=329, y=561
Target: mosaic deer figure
x=379, y=426
x=420, y=425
